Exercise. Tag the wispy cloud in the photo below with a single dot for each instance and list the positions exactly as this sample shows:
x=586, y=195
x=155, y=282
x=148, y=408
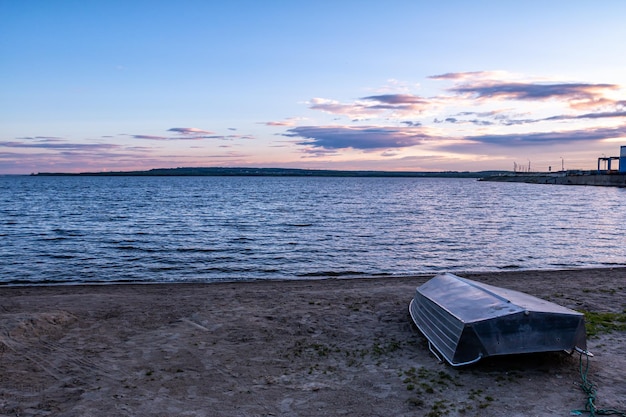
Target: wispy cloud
x=493, y=119
x=189, y=131
x=410, y=123
x=531, y=91
x=281, y=123
x=396, y=105
x=316, y=152
x=59, y=145
x=398, y=99
x=42, y=138
x=399, y=104
x=68, y=156
x=233, y=137
x=469, y=75
x=353, y=110
x=599, y=115
x=150, y=137
x=455, y=120
x=550, y=138
x=485, y=85
x=61, y=155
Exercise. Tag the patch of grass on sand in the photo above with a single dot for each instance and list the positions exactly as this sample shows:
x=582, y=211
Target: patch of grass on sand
x=382, y=348
x=427, y=387
x=598, y=323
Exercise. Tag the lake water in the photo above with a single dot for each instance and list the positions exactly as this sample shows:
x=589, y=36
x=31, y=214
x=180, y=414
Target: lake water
x=176, y=229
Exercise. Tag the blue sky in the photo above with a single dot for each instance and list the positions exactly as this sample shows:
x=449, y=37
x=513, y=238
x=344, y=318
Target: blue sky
x=397, y=85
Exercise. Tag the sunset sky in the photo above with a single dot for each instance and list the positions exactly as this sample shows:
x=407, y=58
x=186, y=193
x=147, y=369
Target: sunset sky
x=378, y=85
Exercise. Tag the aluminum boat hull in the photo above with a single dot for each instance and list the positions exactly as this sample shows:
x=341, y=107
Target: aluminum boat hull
x=465, y=321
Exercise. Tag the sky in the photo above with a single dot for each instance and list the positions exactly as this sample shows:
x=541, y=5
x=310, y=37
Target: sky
x=90, y=85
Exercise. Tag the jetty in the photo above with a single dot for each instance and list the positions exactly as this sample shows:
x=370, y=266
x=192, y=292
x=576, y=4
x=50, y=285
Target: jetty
x=563, y=178
x=604, y=176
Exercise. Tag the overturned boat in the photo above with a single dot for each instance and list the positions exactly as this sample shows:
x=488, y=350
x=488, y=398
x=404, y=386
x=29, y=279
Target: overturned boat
x=465, y=321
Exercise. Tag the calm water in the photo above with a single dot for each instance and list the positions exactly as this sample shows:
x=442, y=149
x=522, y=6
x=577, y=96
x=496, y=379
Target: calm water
x=85, y=229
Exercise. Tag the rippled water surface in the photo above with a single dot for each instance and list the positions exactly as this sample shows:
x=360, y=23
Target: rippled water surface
x=85, y=229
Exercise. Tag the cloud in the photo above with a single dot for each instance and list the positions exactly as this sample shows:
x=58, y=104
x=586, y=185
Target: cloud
x=477, y=122
x=42, y=138
x=289, y=121
x=53, y=154
x=60, y=146
x=509, y=120
x=550, y=138
x=397, y=99
x=172, y=138
x=150, y=137
x=335, y=107
x=358, y=137
x=531, y=91
x=189, y=131
x=318, y=152
x=66, y=156
x=233, y=137
x=410, y=124
x=493, y=113
x=484, y=86
x=599, y=115
x=399, y=105
x=284, y=123
x=467, y=75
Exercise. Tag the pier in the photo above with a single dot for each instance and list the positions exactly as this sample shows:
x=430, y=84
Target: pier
x=606, y=177
x=563, y=178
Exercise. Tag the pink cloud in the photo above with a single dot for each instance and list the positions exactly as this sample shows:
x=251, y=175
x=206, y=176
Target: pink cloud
x=284, y=123
x=396, y=104
x=464, y=75
x=150, y=137
x=533, y=91
x=189, y=131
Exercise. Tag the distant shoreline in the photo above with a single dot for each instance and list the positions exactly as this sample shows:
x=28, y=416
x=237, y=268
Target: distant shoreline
x=574, y=177
x=275, y=172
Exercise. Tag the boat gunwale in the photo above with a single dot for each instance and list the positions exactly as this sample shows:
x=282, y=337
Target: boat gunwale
x=432, y=344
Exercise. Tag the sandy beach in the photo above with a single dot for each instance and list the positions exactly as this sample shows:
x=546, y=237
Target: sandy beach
x=285, y=348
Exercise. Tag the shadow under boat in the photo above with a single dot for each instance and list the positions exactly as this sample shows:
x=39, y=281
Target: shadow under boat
x=465, y=321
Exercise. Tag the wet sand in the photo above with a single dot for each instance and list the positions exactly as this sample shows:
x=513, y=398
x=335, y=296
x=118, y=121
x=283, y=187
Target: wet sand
x=284, y=348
